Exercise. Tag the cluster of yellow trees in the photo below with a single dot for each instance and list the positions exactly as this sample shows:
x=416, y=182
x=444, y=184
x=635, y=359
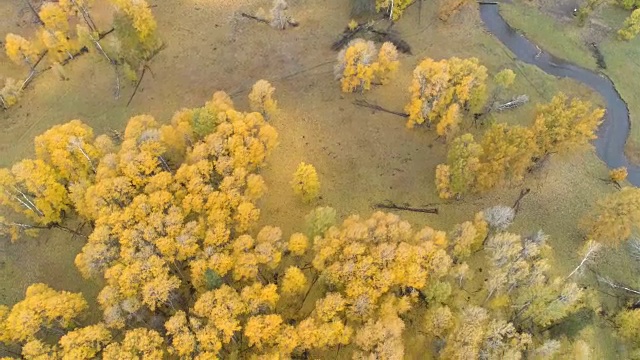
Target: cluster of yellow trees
x=357, y=67
x=60, y=42
x=506, y=153
x=441, y=90
x=186, y=273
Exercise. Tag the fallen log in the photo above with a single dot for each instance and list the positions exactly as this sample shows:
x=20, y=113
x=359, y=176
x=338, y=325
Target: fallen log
x=514, y=103
x=365, y=103
x=248, y=16
x=393, y=206
x=523, y=193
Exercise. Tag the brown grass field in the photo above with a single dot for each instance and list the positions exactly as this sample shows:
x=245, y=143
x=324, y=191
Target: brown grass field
x=362, y=157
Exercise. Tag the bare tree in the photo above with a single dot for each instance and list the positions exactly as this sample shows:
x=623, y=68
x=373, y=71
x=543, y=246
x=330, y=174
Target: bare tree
x=499, y=217
x=588, y=252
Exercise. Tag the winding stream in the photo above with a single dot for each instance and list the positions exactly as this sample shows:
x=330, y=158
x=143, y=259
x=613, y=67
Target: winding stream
x=614, y=129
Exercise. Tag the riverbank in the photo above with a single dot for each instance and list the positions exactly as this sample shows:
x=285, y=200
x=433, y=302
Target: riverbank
x=542, y=21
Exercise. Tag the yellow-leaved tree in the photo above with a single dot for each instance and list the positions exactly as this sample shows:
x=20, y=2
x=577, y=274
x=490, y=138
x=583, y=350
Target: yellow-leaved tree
x=186, y=272
x=261, y=98
x=394, y=8
x=614, y=217
x=506, y=153
x=21, y=51
x=438, y=85
x=357, y=67
x=305, y=182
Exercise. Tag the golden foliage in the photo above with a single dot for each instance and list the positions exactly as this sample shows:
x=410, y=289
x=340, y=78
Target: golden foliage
x=70, y=149
x=618, y=175
x=562, y=125
x=33, y=188
x=368, y=258
x=443, y=181
x=54, y=17
x=449, y=124
x=137, y=343
x=140, y=14
x=262, y=330
x=506, y=153
x=305, y=182
x=84, y=343
x=10, y=93
x=614, y=217
x=20, y=50
x=261, y=100
x=298, y=244
x=387, y=63
x=294, y=281
x=357, y=69
x=394, y=8
x=504, y=78
x=631, y=26
x=437, y=85
x=42, y=307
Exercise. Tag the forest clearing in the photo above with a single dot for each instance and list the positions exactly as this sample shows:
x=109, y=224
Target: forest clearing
x=228, y=179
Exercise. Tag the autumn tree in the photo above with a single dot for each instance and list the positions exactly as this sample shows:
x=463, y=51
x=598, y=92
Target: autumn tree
x=55, y=34
x=186, y=272
x=614, y=217
x=33, y=188
x=42, y=308
x=618, y=175
x=21, y=51
x=320, y=220
x=448, y=8
x=394, y=8
x=565, y=125
x=10, y=93
x=368, y=259
x=437, y=85
x=628, y=326
x=305, y=182
x=506, y=153
x=261, y=100
x=631, y=26
x=357, y=67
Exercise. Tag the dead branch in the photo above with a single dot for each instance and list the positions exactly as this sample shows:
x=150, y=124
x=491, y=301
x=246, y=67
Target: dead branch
x=248, y=16
x=365, y=103
x=523, y=193
x=591, y=251
x=616, y=285
x=393, y=206
x=135, y=90
x=116, y=93
x=33, y=10
x=514, y=103
x=33, y=73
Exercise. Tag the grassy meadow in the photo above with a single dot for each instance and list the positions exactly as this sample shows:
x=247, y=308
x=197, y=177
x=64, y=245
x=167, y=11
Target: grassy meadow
x=552, y=26
x=362, y=157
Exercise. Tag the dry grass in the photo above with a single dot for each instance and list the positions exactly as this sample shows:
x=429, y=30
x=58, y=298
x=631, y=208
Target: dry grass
x=361, y=157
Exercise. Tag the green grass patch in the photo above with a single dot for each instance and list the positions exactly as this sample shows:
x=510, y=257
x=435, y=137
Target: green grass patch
x=568, y=41
x=561, y=40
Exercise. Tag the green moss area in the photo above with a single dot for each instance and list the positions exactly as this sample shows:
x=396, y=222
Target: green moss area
x=362, y=157
x=561, y=36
